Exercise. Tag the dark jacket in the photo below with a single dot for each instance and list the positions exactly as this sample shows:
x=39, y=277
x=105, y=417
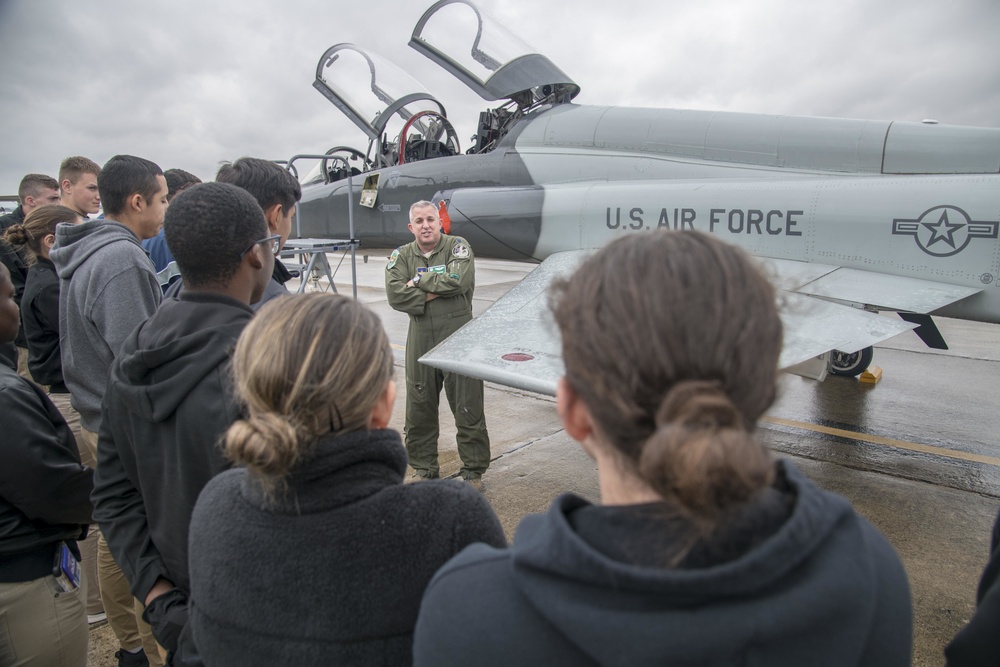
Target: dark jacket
x=978, y=643
x=16, y=261
x=169, y=401
x=107, y=288
x=15, y=217
x=40, y=317
x=44, y=489
x=824, y=589
x=276, y=285
x=332, y=573
x=158, y=251
x=8, y=355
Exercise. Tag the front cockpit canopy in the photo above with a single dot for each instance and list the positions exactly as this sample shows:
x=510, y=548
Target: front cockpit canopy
x=389, y=106
x=487, y=57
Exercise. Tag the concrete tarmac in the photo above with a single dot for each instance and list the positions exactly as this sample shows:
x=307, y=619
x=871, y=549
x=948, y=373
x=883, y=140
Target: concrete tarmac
x=918, y=453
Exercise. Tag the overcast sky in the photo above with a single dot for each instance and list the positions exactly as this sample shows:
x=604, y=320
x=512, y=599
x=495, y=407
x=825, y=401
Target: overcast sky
x=188, y=84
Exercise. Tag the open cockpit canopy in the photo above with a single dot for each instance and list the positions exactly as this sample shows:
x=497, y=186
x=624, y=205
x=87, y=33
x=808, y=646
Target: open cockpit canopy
x=487, y=57
x=369, y=89
x=403, y=121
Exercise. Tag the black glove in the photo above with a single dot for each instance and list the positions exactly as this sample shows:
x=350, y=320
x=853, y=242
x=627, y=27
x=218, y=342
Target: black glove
x=167, y=615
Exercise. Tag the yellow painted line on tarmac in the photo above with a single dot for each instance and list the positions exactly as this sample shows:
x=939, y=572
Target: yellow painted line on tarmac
x=401, y=348
x=889, y=442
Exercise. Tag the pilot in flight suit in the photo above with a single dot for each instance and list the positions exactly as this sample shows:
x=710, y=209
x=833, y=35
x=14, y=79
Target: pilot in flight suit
x=432, y=280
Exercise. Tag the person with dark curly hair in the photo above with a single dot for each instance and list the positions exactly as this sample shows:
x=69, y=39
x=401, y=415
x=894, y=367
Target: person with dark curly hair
x=704, y=549
x=169, y=400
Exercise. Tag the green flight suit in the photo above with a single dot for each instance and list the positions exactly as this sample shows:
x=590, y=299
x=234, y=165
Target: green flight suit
x=449, y=272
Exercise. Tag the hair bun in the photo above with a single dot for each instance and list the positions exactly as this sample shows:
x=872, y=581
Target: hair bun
x=17, y=235
x=265, y=443
x=698, y=404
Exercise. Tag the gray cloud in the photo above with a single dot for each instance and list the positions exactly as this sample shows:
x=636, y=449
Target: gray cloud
x=188, y=84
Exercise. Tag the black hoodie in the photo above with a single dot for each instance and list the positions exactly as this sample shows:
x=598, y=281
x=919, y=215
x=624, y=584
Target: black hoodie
x=825, y=588
x=169, y=402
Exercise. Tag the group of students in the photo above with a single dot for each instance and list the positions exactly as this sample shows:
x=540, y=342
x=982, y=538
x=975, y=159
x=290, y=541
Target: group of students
x=254, y=498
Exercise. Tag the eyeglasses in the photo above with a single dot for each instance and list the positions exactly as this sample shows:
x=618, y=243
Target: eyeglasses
x=275, y=242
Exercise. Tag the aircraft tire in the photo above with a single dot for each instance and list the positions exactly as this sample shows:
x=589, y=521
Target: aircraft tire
x=851, y=364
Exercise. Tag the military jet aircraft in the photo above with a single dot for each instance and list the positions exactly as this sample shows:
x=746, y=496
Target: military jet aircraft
x=851, y=217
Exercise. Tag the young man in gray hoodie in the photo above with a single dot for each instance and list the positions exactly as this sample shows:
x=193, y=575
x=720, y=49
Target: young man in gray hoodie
x=107, y=288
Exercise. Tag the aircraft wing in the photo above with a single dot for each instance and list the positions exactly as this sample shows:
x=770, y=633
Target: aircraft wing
x=516, y=342
x=879, y=290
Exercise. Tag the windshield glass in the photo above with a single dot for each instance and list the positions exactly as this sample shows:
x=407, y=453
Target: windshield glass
x=364, y=84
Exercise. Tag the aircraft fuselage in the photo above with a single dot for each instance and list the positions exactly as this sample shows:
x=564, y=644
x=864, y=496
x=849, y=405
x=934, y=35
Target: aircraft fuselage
x=898, y=198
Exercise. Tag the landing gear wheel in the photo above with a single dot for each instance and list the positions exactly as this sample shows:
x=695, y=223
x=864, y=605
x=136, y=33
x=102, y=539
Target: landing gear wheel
x=851, y=364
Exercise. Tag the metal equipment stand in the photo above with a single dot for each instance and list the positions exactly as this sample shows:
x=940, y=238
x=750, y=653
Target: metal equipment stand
x=316, y=249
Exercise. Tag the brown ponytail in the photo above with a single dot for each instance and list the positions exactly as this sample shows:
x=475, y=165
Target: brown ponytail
x=672, y=341
x=36, y=226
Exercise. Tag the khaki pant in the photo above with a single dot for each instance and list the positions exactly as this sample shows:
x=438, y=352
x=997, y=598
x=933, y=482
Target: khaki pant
x=88, y=547
x=22, y=363
x=42, y=625
x=124, y=611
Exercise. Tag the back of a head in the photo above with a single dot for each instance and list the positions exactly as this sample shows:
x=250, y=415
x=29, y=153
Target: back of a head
x=72, y=168
x=37, y=225
x=178, y=180
x=306, y=366
x=123, y=176
x=32, y=185
x=207, y=226
x=672, y=341
x=265, y=180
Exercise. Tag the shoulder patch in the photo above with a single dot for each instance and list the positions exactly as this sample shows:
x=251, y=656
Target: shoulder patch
x=460, y=251
x=392, y=259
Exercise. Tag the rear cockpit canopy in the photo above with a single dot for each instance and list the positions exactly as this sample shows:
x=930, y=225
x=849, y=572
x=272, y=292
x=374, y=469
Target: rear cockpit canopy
x=487, y=57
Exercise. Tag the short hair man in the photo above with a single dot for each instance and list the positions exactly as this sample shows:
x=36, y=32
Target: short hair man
x=169, y=398
x=107, y=288
x=276, y=191
x=178, y=180
x=35, y=191
x=432, y=280
x=78, y=180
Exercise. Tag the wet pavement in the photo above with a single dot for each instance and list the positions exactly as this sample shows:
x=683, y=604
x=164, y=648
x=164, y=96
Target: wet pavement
x=918, y=453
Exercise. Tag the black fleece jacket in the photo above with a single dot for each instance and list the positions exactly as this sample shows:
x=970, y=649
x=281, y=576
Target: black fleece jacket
x=978, y=643
x=40, y=318
x=168, y=403
x=44, y=490
x=331, y=574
